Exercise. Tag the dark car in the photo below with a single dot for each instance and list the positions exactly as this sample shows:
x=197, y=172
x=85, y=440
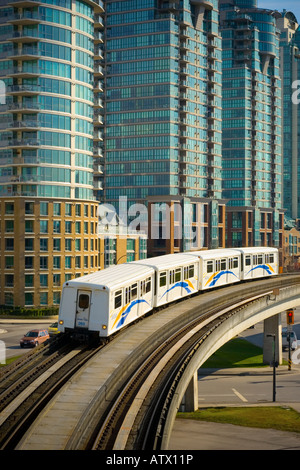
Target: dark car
x=34, y=338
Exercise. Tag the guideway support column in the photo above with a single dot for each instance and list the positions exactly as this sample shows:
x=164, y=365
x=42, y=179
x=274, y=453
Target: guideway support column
x=272, y=326
x=190, y=399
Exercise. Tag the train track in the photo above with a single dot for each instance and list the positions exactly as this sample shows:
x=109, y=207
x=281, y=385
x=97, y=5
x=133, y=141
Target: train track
x=45, y=378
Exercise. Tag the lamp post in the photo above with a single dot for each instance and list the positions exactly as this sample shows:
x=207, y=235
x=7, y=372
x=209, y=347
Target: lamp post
x=274, y=367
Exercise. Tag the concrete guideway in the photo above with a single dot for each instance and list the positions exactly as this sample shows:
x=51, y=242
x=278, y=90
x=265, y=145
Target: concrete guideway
x=60, y=418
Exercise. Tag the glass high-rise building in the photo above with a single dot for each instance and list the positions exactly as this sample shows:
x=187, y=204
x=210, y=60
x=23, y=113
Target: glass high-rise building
x=252, y=124
x=163, y=99
x=290, y=75
x=47, y=158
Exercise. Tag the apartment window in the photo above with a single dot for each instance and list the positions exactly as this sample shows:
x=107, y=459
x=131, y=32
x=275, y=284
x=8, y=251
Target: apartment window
x=28, y=262
x=9, y=244
x=77, y=244
x=78, y=209
x=77, y=261
x=56, y=298
x=28, y=280
x=44, y=262
x=68, y=262
x=28, y=226
x=44, y=298
x=43, y=280
x=9, y=262
x=86, y=210
x=68, y=226
x=56, y=262
x=44, y=208
x=28, y=298
x=43, y=226
x=9, y=208
x=77, y=227
x=68, y=244
x=56, y=244
x=9, y=226
x=56, y=226
x=29, y=207
x=56, y=208
x=9, y=280
x=68, y=209
x=43, y=244
x=29, y=244
x=56, y=280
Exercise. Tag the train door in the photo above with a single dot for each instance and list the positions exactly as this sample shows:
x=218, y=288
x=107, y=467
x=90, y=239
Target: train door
x=83, y=308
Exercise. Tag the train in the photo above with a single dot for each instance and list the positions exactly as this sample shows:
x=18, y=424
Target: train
x=104, y=302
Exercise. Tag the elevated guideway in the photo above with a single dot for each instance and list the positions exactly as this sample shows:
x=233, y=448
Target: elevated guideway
x=176, y=341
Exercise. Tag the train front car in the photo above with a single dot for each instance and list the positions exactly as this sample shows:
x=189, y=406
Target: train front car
x=103, y=302
x=259, y=262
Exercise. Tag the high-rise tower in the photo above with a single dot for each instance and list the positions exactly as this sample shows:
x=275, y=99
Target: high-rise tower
x=47, y=205
x=163, y=99
x=252, y=152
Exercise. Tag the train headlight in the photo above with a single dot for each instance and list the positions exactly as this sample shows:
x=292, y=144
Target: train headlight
x=61, y=322
x=104, y=327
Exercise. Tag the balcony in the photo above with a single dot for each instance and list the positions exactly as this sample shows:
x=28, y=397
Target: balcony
x=25, y=107
x=25, y=18
x=25, y=53
x=25, y=90
x=24, y=72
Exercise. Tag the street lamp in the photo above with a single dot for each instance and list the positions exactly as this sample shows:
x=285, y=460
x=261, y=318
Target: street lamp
x=274, y=367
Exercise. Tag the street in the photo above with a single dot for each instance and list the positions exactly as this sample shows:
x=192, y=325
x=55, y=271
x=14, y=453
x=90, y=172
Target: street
x=12, y=332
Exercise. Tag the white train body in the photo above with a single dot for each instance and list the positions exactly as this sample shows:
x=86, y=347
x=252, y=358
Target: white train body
x=106, y=301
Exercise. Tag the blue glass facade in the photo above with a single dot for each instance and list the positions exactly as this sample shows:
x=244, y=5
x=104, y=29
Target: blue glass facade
x=163, y=99
x=48, y=74
x=290, y=71
x=252, y=162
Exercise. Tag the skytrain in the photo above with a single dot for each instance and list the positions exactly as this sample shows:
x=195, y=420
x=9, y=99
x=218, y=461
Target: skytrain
x=106, y=301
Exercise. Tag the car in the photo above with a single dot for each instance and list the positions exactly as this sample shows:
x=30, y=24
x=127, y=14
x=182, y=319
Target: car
x=53, y=329
x=34, y=337
x=293, y=340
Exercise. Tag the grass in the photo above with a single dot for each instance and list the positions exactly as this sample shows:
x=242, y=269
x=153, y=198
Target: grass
x=272, y=417
x=236, y=353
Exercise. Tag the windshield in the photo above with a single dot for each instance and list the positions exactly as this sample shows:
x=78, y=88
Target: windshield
x=33, y=334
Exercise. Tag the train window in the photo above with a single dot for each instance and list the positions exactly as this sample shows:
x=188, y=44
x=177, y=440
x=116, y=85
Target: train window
x=83, y=301
x=260, y=259
x=185, y=272
x=248, y=260
x=235, y=262
x=148, y=284
x=271, y=258
x=172, y=276
x=127, y=295
x=162, y=279
x=118, y=299
x=134, y=291
x=191, y=270
x=254, y=260
x=223, y=264
x=178, y=275
x=209, y=266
